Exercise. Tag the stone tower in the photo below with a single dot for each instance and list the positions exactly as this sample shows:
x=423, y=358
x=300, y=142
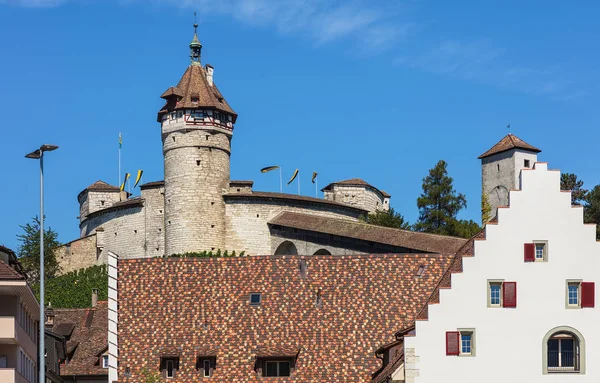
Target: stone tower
x=501, y=168
x=197, y=126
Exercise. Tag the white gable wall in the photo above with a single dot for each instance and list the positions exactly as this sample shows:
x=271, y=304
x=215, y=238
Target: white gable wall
x=508, y=341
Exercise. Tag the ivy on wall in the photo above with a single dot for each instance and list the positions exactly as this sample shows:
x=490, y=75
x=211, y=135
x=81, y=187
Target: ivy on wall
x=74, y=289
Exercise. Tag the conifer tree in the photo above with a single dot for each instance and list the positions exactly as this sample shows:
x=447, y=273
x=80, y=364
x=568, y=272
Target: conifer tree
x=388, y=218
x=592, y=209
x=569, y=181
x=439, y=205
x=486, y=209
x=29, y=250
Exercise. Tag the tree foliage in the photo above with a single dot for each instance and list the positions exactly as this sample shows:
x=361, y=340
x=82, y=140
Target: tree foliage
x=151, y=376
x=569, y=181
x=439, y=205
x=486, y=209
x=388, y=218
x=592, y=209
x=464, y=228
x=74, y=289
x=29, y=250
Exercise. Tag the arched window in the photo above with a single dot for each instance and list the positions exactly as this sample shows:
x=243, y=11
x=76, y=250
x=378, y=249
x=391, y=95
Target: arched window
x=322, y=252
x=563, y=351
x=286, y=248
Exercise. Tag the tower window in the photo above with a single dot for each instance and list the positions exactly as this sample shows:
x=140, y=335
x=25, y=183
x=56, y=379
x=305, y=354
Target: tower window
x=195, y=99
x=197, y=162
x=527, y=163
x=498, y=167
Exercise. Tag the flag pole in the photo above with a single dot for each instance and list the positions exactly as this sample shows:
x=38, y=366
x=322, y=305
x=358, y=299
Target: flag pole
x=298, y=183
x=120, y=144
x=317, y=187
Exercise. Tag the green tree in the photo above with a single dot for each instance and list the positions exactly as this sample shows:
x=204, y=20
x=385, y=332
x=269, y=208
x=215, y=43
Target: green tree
x=74, y=289
x=151, y=376
x=486, y=209
x=29, y=250
x=439, y=203
x=592, y=209
x=569, y=181
x=388, y=218
x=464, y=228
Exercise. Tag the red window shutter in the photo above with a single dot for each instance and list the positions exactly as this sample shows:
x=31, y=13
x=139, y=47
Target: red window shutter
x=529, y=252
x=587, y=294
x=452, y=343
x=509, y=294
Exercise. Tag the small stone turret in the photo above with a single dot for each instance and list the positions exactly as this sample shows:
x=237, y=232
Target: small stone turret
x=98, y=196
x=501, y=168
x=197, y=127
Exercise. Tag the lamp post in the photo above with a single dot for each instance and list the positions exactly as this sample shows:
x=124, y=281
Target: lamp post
x=38, y=154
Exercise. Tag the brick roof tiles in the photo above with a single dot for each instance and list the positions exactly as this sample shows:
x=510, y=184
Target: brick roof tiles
x=351, y=229
x=193, y=303
x=510, y=141
x=193, y=84
x=7, y=273
x=88, y=337
x=290, y=197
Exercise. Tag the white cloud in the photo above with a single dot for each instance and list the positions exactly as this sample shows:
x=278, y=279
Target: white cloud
x=323, y=21
x=34, y=3
x=481, y=62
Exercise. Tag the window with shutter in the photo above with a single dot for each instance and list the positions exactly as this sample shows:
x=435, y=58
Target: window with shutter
x=529, y=250
x=587, y=294
x=509, y=290
x=452, y=343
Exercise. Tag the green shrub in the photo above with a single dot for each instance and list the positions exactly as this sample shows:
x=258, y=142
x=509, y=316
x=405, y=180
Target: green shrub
x=74, y=289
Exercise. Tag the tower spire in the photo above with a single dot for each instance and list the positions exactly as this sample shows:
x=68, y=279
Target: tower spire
x=195, y=46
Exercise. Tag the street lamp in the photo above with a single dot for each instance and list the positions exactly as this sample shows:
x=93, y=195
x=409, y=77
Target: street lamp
x=38, y=154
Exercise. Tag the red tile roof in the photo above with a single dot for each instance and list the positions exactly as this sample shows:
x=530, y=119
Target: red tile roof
x=193, y=84
x=86, y=332
x=424, y=242
x=100, y=186
x=7, y=273
x=291, y=197
x=509, y=142
x=195, y=303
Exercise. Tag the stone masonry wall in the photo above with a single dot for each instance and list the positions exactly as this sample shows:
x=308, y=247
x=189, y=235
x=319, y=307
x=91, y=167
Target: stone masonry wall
x=358, y=196
x=78, y=254
x=124, y=231
x=246, y=220
x=196, y=176
x=154, y=215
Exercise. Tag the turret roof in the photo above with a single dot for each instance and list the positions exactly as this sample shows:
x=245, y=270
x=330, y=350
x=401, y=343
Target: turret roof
x=510, y=141
x=355, y=182
x=193, y=84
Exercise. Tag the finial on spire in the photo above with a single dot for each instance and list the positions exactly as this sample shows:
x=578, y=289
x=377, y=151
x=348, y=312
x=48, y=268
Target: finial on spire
x=195, y=46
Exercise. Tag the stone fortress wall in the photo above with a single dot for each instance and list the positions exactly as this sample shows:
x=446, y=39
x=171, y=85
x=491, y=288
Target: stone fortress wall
x=364, y=196
x=247, y=215
x=196, y=159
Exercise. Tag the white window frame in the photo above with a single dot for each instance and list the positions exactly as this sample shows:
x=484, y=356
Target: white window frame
x=494, y=282
x=104, y=361
x=471, y=333
x=204, y=363
x=172, y=363
x=579, y=347
x=569, y=283
x=544, y=245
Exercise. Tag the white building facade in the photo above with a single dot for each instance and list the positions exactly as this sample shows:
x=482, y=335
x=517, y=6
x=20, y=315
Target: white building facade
x=523, y=308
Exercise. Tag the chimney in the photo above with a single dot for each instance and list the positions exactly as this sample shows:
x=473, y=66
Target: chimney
x=94, y=297
x=122, y=195
x=209, y=74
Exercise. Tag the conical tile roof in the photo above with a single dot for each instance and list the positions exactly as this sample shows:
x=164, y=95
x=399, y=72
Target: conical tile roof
x=510, y=141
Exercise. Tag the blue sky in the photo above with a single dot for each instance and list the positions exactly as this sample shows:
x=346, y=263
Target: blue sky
x=379, y=90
